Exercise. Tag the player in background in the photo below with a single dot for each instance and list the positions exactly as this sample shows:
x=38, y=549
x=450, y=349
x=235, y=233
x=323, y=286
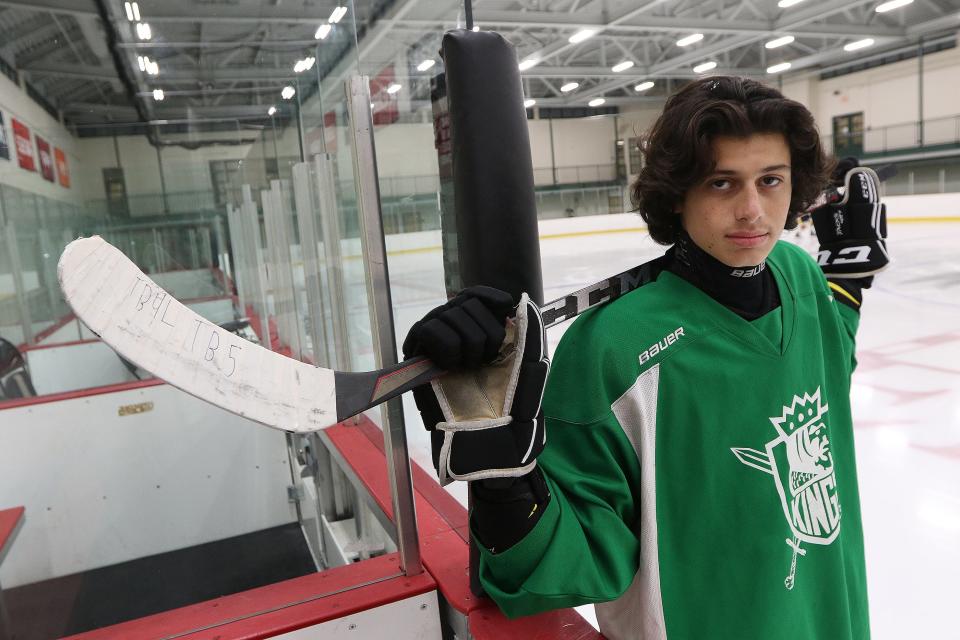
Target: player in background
x=690, y=466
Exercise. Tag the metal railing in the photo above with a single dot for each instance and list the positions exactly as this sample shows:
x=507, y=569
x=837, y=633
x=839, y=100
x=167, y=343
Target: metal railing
x=935, y=133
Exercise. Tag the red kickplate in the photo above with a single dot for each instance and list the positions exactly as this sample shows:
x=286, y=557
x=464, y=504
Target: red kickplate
x=562, y=624
x=10, y=520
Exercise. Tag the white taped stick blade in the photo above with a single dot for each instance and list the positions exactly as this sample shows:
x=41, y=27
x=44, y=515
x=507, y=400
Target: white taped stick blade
x=148, y=326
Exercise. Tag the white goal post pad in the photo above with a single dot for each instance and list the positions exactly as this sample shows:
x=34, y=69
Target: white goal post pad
x=148, y=326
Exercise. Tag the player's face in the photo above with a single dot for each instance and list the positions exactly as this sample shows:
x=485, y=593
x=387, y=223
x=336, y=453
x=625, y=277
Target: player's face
x=737, y=212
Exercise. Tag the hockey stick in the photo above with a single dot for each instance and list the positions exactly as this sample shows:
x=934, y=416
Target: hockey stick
x=146, y=325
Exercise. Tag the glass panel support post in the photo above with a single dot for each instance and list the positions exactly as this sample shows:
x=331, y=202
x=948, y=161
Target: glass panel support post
x=333, y=258
x=374, y=250
x=9, y=232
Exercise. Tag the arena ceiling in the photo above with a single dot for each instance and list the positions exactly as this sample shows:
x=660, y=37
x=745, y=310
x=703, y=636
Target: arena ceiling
x=231, y=58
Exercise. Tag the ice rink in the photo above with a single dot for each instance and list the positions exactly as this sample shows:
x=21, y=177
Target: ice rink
x=906, y=400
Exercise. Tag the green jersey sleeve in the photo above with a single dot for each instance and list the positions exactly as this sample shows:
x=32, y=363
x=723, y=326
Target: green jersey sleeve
x=584, y=547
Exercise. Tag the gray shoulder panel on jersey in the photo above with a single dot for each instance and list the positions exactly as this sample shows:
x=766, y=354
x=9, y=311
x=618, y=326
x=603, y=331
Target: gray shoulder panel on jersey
x=638, y=613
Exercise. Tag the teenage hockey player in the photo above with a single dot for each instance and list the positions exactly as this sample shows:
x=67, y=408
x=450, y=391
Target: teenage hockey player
x=691, y=469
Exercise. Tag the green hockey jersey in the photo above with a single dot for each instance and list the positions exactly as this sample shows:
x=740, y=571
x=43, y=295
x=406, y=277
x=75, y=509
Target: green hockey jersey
x=701, y=468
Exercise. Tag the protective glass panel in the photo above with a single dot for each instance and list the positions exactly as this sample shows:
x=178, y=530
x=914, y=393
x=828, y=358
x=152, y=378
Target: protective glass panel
x=220, y=163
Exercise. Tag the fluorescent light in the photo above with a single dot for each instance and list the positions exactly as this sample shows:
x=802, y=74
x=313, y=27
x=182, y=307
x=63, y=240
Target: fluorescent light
x=392, y=89
x=570, y=86
x=147, y=33
x=529, y=63
x=129, y=10
x=529, y=102
x=426, y=64
x=271, y=111
x=581, y=35
x=152, y=67
x=287, y=92
x=643, y=86
x=696, y=37
x=621, y=66
x=322, y=32
x=777, y=68
x=783, y=4
x=859, y=44
x=303, y=65
x=337, y=14
x=476, y=28
x=779, y=42
x=136, y=11
x=142, y=62
x=703, y=67
x=893, y=4
x=158, y=94
x=596, y=102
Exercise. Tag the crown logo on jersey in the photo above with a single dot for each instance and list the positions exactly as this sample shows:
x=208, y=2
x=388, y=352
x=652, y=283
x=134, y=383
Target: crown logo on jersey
x=801, y=463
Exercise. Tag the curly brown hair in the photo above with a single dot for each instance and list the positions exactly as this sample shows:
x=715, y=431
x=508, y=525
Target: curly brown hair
x=678, y=151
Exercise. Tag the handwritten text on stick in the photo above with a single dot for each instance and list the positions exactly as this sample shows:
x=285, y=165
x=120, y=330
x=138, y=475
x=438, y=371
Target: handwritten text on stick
x=208, y=341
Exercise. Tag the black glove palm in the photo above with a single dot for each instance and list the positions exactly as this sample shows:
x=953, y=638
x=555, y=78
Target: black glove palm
x=485, y=413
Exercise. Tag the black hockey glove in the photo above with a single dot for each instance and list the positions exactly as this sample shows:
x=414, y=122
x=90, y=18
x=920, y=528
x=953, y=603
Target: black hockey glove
x=485, y=413
x=853, y=232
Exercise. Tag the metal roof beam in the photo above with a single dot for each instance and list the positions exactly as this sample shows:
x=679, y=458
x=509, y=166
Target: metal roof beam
x=67, y=7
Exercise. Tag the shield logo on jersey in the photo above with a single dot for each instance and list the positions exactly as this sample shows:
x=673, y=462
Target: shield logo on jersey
x=801, y=464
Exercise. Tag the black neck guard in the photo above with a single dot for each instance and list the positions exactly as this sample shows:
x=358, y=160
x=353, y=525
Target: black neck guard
x=750, y=292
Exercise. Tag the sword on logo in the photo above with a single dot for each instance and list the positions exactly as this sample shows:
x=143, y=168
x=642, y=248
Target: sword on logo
x=760, y=460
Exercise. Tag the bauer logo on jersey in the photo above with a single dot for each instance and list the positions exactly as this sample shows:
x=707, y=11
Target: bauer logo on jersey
x=800, y=461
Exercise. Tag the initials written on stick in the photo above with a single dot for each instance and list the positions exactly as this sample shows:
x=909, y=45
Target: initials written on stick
x=203, y=339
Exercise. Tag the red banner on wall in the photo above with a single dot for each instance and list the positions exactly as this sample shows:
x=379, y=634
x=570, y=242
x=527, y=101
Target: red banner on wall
x=63, y=171
x=46, y=159
x=21, y=137
x=384, y=104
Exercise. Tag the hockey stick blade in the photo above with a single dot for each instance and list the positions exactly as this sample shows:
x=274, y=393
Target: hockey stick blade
x=148, y=326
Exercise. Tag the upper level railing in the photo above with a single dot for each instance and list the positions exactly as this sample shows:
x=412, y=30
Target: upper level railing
x=926, y=135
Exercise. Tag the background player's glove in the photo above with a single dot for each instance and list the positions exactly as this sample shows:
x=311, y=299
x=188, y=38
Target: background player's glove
x=485, y=412
x=853, y=232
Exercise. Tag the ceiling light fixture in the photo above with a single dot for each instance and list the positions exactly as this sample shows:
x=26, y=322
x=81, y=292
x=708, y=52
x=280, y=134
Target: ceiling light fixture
x=136, y=11
x=143, y=31
x=859, y=44
x=777, y=68
x=392, y=89
x=581, y=35
x=779, y=42
x=643, y=86
x=621, y=66
x=696, y=37
x=322, y=32
x=337, y=15
x=158, y=94
x=783, y=4
x=426, y=64
x=529, y=102
x=703, y=67
x=893, y=4
x=570, y=86
x=129, y=10
x=287, y=92
x=529, y=63
x=596, y=102
x=271, y=111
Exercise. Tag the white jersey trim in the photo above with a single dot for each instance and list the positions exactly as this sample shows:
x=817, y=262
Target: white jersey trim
x=638, y=613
